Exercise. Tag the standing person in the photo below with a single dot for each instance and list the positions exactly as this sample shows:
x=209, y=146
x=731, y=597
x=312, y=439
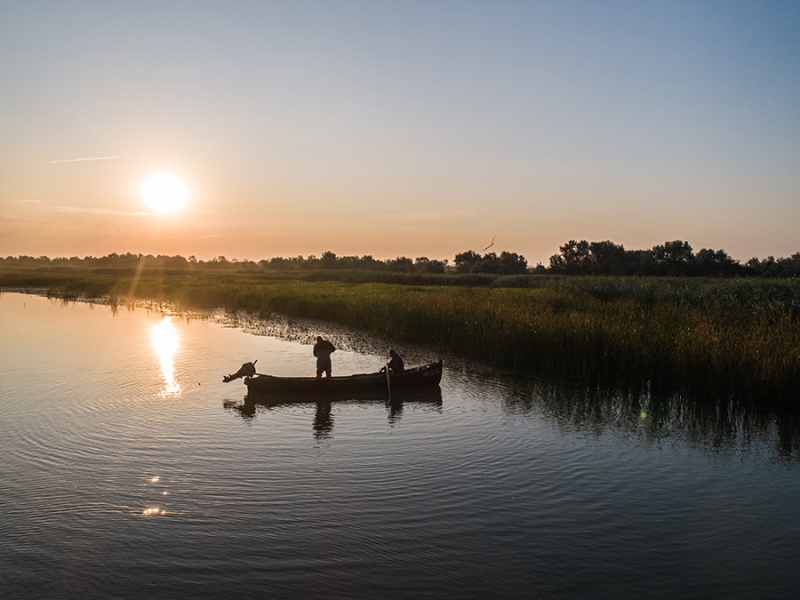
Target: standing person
x=395, y=363
x=323, y=350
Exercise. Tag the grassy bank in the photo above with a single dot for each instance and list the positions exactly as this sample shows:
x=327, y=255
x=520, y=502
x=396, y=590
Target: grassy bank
x=711, y=339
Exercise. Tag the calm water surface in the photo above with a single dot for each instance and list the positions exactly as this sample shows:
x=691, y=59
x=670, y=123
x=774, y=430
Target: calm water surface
x=129, y=470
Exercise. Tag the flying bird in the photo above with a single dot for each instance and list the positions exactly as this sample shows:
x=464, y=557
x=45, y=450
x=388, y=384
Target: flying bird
x=489, y=246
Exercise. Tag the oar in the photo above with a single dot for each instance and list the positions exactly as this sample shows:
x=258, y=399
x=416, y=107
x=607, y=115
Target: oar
x=388, y=382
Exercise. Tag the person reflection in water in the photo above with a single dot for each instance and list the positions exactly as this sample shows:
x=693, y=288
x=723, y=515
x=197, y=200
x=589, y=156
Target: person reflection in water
x=323, y=350
x=323, y=421
x=395, y=363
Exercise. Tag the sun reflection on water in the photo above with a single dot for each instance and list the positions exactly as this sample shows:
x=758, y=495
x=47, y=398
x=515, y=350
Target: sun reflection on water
x=166, y=342
x=153, y=510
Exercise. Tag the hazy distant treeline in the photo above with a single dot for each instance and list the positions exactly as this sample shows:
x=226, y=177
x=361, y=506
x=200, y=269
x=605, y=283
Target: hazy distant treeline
x=674, y=258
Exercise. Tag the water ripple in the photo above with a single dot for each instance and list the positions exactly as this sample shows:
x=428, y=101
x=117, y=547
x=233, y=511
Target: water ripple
x=499, y=490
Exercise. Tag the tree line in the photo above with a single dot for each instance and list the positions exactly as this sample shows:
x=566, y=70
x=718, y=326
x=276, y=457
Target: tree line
x=674, y=258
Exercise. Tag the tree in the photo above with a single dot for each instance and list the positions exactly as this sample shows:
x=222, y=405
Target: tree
x=608, y=258
x=489, y=263
x=467, y=262
x=368, y=263
x=512, y=263
x=423, y=264
x=710, y=263
x=328, y=260
x=401, y=264
x=574, y=259
x=673, y=258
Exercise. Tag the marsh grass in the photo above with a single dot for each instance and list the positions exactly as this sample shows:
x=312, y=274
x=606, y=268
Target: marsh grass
x=709, y=339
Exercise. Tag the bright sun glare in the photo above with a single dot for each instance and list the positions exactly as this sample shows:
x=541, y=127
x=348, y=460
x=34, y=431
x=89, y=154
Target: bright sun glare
x=166, y=342
x=165, y=193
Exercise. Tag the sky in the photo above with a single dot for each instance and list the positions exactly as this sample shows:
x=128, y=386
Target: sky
x=399, y=128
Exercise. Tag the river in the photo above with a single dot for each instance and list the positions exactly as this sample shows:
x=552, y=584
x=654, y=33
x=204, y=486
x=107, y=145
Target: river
x=130, y=470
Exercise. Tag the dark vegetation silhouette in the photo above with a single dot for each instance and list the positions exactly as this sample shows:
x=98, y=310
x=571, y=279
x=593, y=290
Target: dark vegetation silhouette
x=508, y=263
x=675, y=258
x=672, y=259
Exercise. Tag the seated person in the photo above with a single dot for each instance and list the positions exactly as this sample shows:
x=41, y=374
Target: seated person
x=395, y=363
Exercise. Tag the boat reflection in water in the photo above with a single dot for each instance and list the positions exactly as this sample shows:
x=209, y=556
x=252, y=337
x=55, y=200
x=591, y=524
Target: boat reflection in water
x=429, y=397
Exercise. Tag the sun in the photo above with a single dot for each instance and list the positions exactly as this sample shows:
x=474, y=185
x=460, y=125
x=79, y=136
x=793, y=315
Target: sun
x=165, y=193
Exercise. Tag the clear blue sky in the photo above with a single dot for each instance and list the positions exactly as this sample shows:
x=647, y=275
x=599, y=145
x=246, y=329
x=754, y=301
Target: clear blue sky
x=400, y=128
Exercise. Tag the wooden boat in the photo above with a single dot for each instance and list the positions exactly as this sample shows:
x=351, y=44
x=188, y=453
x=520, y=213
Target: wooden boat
x=351, y=386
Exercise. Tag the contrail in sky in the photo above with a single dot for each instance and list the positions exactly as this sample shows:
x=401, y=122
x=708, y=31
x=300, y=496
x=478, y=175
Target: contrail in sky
x=100, y=211
x=52, y=162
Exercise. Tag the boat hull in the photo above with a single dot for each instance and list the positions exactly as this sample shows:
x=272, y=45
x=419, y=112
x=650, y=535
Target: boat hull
x=426, y=376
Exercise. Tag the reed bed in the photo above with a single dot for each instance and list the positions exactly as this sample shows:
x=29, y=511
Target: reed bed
x=709, y=339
